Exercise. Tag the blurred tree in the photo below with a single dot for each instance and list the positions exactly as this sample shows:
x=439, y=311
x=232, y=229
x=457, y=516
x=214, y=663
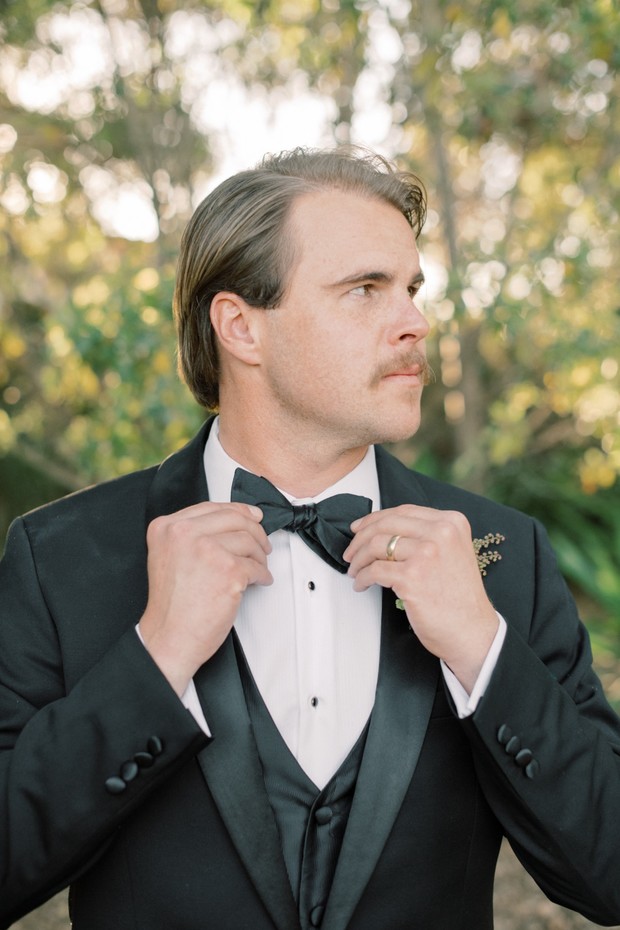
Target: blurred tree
x=517, y=113
x=111, y=125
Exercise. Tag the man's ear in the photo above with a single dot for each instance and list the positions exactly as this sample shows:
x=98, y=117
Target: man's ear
x=233, y=321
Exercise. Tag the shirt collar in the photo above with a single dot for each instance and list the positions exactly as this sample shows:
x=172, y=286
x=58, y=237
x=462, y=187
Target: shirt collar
x=220, y=470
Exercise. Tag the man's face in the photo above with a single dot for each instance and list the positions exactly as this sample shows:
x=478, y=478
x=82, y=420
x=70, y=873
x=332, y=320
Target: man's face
x=343, y=354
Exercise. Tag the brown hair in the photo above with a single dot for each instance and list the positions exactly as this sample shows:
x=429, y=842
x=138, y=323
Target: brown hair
x=236, y=241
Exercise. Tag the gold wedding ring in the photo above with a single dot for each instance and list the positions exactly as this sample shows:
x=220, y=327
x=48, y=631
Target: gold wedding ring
x=391, y=547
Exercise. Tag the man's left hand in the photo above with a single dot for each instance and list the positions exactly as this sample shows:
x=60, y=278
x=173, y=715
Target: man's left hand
x=434, y=572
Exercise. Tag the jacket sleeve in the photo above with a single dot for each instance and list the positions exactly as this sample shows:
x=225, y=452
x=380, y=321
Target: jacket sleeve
x=73, y=765
x=547, y=752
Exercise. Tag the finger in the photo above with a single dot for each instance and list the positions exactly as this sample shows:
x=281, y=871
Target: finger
x=411, y=510
x=376, y=549
x=256, y=572
x=194, y=522
x=385, y=574
x=243, y=544
x=218, y=522
x=379, y=533
x=207, y=507
x=447, y=528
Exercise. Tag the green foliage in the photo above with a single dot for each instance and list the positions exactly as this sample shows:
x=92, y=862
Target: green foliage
x=584, y=528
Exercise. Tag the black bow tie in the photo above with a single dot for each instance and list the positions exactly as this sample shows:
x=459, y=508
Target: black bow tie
x=325, y=527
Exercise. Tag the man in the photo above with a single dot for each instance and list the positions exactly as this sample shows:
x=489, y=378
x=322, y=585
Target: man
x=225, y=705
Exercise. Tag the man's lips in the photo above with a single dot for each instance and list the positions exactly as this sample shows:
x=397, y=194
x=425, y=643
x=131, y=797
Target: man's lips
x=405, y=373
x=414, y=370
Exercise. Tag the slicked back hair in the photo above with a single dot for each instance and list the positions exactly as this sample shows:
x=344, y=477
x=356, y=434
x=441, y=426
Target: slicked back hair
x=239, y=240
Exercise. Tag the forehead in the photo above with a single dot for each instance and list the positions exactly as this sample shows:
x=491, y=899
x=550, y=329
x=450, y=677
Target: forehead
x=337, y=231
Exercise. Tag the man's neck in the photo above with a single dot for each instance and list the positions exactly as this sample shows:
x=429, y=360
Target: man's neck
x=301, y=469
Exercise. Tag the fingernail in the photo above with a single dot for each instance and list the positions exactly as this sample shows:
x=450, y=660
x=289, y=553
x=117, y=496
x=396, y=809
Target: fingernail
x=356, y=523
x=256, y=511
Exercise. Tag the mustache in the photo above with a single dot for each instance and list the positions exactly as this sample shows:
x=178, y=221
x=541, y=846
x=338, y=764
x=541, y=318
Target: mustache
x=405, y=363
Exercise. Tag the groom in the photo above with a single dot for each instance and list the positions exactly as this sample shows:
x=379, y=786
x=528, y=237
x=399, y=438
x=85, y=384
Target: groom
x=269, y=684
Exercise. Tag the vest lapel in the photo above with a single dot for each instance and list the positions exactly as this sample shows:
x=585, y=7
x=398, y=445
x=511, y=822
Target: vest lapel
x=230, y=764
x=232, y=770
x=405, y=693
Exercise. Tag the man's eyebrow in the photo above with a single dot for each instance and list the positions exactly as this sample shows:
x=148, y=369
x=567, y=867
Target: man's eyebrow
x=383, y=277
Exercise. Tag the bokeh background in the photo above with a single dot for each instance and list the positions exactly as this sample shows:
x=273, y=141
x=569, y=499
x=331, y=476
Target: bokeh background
x=118, y=116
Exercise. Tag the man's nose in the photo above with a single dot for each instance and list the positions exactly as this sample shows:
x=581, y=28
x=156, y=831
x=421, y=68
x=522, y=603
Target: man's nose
x=412, y=324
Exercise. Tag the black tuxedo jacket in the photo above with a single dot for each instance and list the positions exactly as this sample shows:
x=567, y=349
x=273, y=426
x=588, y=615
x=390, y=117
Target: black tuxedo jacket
x=191, y=842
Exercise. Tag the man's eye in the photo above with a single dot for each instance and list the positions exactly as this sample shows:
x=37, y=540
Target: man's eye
x=362, y=289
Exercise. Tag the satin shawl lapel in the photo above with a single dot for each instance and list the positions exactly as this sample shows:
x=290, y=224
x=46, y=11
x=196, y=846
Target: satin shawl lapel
x=233, y=773
x=405, y=693
x=230, y=763
x=180, y=479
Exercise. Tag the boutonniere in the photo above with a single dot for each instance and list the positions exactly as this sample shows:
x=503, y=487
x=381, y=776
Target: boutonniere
x=484, y=555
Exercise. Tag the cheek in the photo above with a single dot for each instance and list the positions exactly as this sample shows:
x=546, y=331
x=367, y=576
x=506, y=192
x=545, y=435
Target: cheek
x=320, y=356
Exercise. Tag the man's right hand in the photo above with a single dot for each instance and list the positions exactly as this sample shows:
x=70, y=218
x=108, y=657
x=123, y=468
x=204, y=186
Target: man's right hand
x=200, y=561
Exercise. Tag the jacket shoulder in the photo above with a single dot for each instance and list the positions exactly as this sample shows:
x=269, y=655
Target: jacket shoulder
x=447, y=496
x=119, y=501
x=441, y=495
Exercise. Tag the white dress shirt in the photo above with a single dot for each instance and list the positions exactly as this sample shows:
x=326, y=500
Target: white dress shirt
x=311, y=642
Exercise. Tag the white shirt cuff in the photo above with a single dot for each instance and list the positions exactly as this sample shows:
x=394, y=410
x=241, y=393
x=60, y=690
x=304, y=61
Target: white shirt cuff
x=189, y=699
x=466, y=703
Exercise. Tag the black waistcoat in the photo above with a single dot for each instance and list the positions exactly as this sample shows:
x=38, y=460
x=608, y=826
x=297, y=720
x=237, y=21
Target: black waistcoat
x=311, y=823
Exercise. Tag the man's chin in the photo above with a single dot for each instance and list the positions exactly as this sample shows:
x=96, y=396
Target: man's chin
x=397, y=431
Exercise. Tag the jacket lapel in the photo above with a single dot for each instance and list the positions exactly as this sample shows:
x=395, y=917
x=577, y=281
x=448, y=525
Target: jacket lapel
x=232, y=770
x=405, y=693
x=180, y=479
x=230, y=763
